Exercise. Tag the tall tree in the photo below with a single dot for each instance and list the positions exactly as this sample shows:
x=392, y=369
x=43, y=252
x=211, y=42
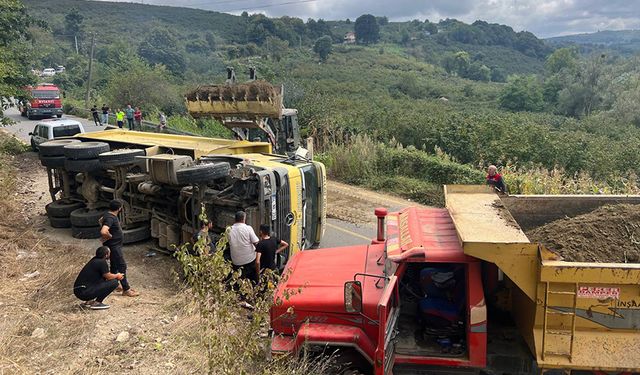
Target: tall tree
x=323, y=47
x=15, y=52
x=523, y=93
x=73, y=22
x=367, y=29
x=161, y=47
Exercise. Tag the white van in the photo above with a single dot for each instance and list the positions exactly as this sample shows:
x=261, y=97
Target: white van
x=54, y=129
x=49, y=72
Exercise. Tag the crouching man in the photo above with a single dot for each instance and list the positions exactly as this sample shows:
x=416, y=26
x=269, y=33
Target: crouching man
x=95, y=282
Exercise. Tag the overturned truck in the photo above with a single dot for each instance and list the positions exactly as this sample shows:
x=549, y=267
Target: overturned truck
x=165, y=181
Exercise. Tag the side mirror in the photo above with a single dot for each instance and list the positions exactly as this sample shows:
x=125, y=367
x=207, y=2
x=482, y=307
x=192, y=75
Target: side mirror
x=30, y=133
x=353, y=296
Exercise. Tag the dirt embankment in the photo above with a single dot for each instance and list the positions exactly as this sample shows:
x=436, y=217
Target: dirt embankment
x=609, y=234
x=42, y=328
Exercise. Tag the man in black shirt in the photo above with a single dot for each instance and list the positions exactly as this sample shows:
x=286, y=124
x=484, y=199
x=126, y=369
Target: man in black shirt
x=94, y=113
x=112, y=236
x=267, y=248
x=94, y=283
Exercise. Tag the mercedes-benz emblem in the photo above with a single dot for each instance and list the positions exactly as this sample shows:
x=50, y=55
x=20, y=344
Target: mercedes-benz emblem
x=290, y=219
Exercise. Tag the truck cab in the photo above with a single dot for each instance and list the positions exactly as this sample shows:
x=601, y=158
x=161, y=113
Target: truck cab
x=462, y=289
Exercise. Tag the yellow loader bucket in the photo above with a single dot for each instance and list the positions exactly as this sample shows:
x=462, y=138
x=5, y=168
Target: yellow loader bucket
x=252, y=100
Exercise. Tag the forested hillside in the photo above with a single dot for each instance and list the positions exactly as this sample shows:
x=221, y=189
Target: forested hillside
x=623, y=41
x=406, y=107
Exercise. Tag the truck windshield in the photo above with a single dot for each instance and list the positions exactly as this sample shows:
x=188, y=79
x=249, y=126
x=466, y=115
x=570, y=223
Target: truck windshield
x=311, y=204
x=65, y=131
x=45, y=94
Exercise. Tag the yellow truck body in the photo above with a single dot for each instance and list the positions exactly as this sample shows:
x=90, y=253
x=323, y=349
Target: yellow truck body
x=578, y=316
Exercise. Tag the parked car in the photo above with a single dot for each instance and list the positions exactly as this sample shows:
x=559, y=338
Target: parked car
x=60, y=69
x=48, y=72
x=54, y=129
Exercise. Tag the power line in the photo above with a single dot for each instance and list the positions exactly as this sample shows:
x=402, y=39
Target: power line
x=269, y=5
x=236, y=1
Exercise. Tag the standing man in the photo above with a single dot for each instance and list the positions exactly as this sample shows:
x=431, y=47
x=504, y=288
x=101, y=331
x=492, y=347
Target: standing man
x=495, y=179
x=105, y=114
x=137, y=117
x=120, y=118
x=94, y=283
x=112, y=236
x=94, y=113
x=129, y=112
x=267, y=248
x=242, y=240
x=163, y=122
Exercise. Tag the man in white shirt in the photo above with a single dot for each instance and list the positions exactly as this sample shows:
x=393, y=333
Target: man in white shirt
x=242, y=241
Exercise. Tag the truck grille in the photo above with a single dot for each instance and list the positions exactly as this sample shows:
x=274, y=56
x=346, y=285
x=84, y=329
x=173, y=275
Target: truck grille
x=282, y=230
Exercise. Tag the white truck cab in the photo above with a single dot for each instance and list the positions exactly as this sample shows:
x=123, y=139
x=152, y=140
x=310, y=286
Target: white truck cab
x=53, y=129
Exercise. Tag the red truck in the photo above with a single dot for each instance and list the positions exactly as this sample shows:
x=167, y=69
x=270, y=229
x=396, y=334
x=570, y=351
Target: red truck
x=42, y=100
x=461, y=290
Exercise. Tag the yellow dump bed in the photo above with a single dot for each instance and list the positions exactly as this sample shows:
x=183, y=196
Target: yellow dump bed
x=580, y=316
x=178, y=144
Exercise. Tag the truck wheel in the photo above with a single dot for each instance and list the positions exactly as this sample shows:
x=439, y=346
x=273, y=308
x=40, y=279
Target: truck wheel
x=90, y=165
x=52, y=161
x=55, y=148
x=84, y=217
x=59, y=222
x=85, y=232
x=120, y=157
x=85, y=150
x=62, y=208
x=29, y=117
x=136, y=234
x=202, y=173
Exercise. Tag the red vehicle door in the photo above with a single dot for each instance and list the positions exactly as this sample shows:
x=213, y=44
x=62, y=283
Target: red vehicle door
x=388, y=311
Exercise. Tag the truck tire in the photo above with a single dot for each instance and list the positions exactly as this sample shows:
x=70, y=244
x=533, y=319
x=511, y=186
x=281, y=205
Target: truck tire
x=62, y=208
x=90, y=165
x=59, y=222
x=84, y=217
x=86, y=233
x=52, y=161
x=120, y=157
x=202, y=173
x=56, y=147
x=85, y=150
x=136, y=234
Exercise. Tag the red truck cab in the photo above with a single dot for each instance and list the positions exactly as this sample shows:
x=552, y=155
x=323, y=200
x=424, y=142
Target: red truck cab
x=43, y=100
x=410, y=301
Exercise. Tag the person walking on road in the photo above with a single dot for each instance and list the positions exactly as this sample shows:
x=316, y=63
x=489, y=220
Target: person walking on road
x=105, y=114
x=112, y=236
x=120, y=118
x=129, y=112
x=163, y=122
x=94, y=282
x=137, y=117
x=242, y=241
x=268, y=248
x=94, y=113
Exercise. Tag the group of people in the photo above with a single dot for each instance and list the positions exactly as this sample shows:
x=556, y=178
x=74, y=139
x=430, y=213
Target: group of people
x=132, y=115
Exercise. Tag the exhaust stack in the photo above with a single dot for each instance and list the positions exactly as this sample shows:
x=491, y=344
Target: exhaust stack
x=381, y=214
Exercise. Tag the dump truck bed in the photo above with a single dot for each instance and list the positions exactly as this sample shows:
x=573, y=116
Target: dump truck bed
x=579, y=316
x=179, y=144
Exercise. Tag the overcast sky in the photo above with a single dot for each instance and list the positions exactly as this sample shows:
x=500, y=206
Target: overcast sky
x=542, y=17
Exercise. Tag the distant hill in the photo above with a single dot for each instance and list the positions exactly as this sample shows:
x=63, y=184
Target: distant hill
x=624, y=41
x=498, y=47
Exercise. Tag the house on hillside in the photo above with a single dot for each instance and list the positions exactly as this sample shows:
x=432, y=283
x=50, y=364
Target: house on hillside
x=349, y=38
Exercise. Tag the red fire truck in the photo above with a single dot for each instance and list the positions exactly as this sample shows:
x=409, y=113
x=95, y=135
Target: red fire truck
x=42, y=100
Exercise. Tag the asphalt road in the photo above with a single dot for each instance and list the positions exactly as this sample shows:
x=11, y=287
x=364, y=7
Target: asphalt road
x=23, y=126
x=337, y=232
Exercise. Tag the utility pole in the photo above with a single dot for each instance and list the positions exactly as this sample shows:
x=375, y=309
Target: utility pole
x=75, y=38
x=93, y=43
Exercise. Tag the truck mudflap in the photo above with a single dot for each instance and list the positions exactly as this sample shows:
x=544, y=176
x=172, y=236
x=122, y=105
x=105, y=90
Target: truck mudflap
x=331, y=335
